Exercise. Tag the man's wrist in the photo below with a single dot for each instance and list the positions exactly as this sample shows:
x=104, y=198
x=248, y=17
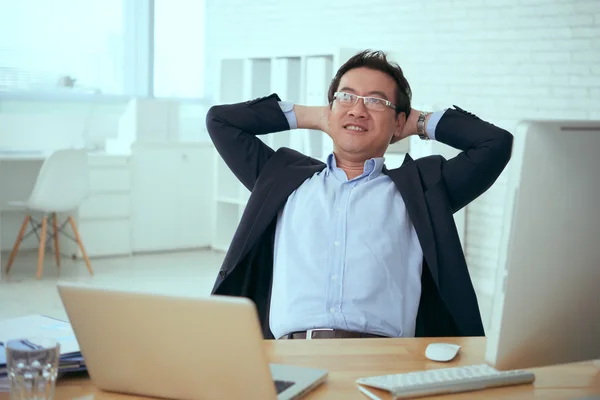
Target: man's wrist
x=431, y=123
x=422, y=122
x=310, y=117
x=288, y=110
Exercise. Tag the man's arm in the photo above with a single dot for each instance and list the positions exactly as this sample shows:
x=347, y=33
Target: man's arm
x=486, y=150
x=312, y=117
x=233, y=129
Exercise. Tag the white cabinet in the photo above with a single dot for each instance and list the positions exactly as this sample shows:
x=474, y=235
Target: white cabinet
x=172, y=190
x=104, y=216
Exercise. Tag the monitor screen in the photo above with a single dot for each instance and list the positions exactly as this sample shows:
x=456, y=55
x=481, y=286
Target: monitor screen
x=546, y=307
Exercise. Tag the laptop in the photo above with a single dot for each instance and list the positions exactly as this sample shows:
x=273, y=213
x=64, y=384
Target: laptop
x=178, y=347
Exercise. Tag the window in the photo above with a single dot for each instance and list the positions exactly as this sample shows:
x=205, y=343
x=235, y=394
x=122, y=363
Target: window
x=41, y=42
x=179, y=48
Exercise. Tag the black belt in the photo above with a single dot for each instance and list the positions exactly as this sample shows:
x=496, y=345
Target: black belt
x=329, y=334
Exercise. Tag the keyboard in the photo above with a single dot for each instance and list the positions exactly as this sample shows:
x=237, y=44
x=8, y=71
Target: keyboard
x=446, y=380
x=280, y=385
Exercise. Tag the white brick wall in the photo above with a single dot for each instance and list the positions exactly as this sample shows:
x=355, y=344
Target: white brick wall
x=504, y=60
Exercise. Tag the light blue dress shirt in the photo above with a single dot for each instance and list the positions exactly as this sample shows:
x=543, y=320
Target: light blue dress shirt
x=346, y=253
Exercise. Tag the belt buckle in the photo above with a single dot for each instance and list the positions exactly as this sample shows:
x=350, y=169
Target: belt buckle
x=309, y=332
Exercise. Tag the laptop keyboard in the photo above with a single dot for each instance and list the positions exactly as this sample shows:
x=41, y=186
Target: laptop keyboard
x=280, y=386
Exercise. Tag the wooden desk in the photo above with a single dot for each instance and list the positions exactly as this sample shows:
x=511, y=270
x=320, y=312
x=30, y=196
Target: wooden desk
x=348, y=359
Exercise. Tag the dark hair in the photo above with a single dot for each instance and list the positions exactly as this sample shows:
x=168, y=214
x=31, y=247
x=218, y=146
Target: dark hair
x=376, y=60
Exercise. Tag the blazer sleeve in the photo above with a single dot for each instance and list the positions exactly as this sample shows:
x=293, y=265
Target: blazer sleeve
x=233, y=129
x=486, y=150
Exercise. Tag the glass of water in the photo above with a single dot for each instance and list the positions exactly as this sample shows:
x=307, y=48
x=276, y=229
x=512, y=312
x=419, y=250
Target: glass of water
x=32, y=366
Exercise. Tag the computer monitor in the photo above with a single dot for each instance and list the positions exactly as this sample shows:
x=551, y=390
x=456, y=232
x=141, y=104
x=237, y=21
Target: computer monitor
x=546, y=309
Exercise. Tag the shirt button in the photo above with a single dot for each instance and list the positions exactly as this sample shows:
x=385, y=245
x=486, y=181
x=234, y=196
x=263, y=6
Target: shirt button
x=333, y=277
x=332, y=310
x=336, y=243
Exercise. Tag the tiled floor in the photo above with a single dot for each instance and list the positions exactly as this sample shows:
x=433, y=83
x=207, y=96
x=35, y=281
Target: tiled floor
x=22, y=294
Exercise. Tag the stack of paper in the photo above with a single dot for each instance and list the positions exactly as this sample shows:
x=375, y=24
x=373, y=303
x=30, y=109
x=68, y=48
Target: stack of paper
x=30, y=326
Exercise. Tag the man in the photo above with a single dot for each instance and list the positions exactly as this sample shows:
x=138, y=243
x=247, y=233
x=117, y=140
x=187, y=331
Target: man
x=349, y=248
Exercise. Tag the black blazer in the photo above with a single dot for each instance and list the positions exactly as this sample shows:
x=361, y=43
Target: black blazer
x=432, y=187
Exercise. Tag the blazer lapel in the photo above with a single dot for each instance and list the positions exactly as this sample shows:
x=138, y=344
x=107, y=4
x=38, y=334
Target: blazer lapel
x=408, y=182
x=277, y=194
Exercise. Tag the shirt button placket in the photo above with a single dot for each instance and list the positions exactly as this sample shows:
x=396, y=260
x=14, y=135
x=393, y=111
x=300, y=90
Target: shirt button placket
x=335, y=300
x=336, y=278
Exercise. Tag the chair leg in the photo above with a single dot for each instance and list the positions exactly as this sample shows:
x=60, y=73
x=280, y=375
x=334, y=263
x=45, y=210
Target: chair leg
x=85, y=257
x=42, y=248
x=15, y=248
x=56, y=246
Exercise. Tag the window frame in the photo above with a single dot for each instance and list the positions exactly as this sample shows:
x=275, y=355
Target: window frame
x=138, y=61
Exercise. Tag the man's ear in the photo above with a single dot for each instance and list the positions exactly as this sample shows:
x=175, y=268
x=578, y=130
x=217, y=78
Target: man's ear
x=399, y=128
x=401, y=121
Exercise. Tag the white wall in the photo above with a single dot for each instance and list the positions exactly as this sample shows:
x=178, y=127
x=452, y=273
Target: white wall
x=503, y=60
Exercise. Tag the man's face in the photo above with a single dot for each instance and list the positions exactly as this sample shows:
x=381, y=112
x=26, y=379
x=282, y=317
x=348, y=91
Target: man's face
x=360, y=131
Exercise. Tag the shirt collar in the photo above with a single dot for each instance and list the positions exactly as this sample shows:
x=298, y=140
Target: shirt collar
x=372, y=168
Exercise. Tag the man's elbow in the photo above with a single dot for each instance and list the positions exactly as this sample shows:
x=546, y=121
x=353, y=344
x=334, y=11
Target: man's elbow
x=508, y=145
x=213, y=119
x=504, y=146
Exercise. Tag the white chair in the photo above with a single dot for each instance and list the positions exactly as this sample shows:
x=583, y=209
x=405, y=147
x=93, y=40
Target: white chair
x=61, y=186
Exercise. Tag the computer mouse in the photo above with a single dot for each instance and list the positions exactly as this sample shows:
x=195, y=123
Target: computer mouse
x=441, y=352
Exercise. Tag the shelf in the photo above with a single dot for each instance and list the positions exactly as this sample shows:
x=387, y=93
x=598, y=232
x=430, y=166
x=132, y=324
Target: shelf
x=286, y=78
x=227, y=183
x=230, y=87
x=318, y=75
x=281, y=139
x=259, y=82
x=232, y=200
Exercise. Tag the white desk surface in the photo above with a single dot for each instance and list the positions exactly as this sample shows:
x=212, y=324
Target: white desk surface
x=37, y=154
x=16, y=155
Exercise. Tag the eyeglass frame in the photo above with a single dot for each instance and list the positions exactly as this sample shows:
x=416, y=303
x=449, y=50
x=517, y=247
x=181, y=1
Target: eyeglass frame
x=387, y=102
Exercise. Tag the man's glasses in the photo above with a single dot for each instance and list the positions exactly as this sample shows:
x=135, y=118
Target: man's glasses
x=372, y=103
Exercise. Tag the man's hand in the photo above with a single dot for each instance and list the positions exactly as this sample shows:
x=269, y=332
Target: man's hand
x=317, y=117
x=312, y=117
x=410, y=127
